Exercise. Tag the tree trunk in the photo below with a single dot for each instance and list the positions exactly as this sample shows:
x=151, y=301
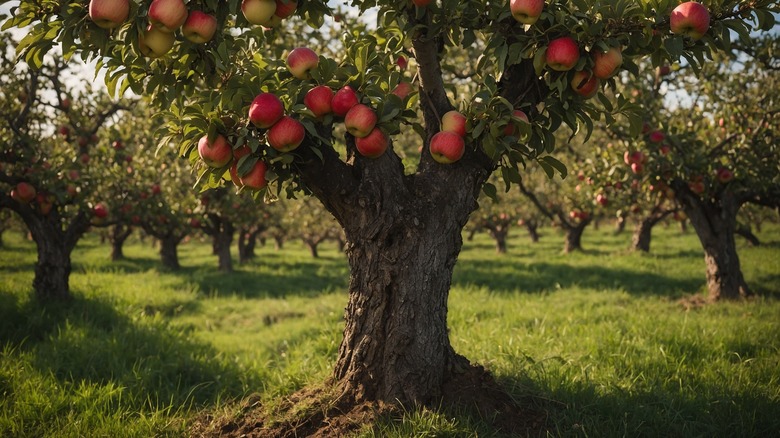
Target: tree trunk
x=573, y=238
x=278, y=242
x=715, y=224
x=533, y=231
x=620, y=224
x=119, y=235
x=55, y=245
x=740, y=231
x=392, y=350
x=499, y=235
x=169, y=252
x=313, y=248
x=640, y=241
x=2, y=243
x=222, y=241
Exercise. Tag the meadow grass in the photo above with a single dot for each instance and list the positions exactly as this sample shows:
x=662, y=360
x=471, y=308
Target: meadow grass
x=596, y=339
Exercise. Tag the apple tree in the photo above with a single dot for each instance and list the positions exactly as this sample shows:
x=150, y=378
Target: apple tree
x=403, y=227
x=713, y=146
x=51, y=134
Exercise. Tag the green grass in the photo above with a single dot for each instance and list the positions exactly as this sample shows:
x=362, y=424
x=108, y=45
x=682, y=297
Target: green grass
x=595, y=338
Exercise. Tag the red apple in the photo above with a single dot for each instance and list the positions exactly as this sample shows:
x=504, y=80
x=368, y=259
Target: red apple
x=318, y=100
x=344, y=100
x=265, y=110
x=526, y=11
x=194, y=223
x=402, y=62
x=664, y=70
x=258, y=11
x=156, y=190
x=109, y=14
x=45, y=203
x=167, y=15
x=24, y=192
x=373, y=145
x=665, y=149
x=155, y=43
x=690, y=19
x=447, y=147
x=511, y=127
x=117, y=145
x=585, y=84
x=200, y=27
x=64, y=131
x=657, y=136
x=216, y=153
x=562, y=54
x=402, y=89
x=606, y=64
x=421, y=3
x=285, y=8
x=637, y=168
x=84, y=158
x=100, y=210
x=301, y=60
x=360, y=120
x=696, y=187
x=286, y=134
x=602, y=199
x=724, y=175
x=255, y=179
x=453, y=121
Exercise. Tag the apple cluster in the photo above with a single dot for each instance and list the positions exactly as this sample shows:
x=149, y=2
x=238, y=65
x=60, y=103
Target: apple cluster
x=165, y=18
x=268, y=13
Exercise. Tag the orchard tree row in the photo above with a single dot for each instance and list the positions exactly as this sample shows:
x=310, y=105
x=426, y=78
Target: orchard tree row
x=239, y=78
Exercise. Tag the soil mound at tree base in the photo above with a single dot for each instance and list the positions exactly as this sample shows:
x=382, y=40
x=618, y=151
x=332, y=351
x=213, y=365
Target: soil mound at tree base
x=320, y=412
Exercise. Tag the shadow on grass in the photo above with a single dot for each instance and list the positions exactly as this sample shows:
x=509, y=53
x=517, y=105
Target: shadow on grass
x=88, y=341
x=504, y=276
x=589, y=409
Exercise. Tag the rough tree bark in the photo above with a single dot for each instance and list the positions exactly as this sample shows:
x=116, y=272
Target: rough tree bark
x=119, y=235
x=715, y=223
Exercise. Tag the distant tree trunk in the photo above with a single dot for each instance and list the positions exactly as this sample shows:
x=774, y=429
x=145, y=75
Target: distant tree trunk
x=247, y=241
x=2, y=242
x=643, y=234
x=169, y=252
x=499, y=233
x=55, y=245
x=119, y=235
x=472, y=232
x=340, y=243
x=278, y=242
x=620, y=223
x=222, y=242
x=573, y=239
x=684, y=226
x=533, y=230
x=715, y=224
x=312, y=245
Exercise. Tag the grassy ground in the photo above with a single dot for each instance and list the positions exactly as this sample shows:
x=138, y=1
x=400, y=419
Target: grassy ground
x=596, y=338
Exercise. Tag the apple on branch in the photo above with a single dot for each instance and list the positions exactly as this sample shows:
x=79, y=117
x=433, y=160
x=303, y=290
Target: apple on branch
x=286, y=134
x=343, y=101
x=301, y=60
x=285, y=8
x=255, y=179
x=373, y=145
x=24, y=192
x=585, y=84
x=167, y=15
x=454, y=121
x=447, y=147
x=360, y=120
x=216, y=153
x=511, y=127
x=690, y=19
x=100, y=210
x=562, y=54
x=318, y=100
x=258, y=12
x=421, y=3
x=155, y=43
x=265, y=110
x=402, y=90
x=526, y=11
x=606, y=64
x=109, y=14
x=200, y=27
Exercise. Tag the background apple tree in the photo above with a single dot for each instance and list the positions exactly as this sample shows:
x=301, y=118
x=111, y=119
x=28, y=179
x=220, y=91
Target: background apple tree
x=403, y=226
